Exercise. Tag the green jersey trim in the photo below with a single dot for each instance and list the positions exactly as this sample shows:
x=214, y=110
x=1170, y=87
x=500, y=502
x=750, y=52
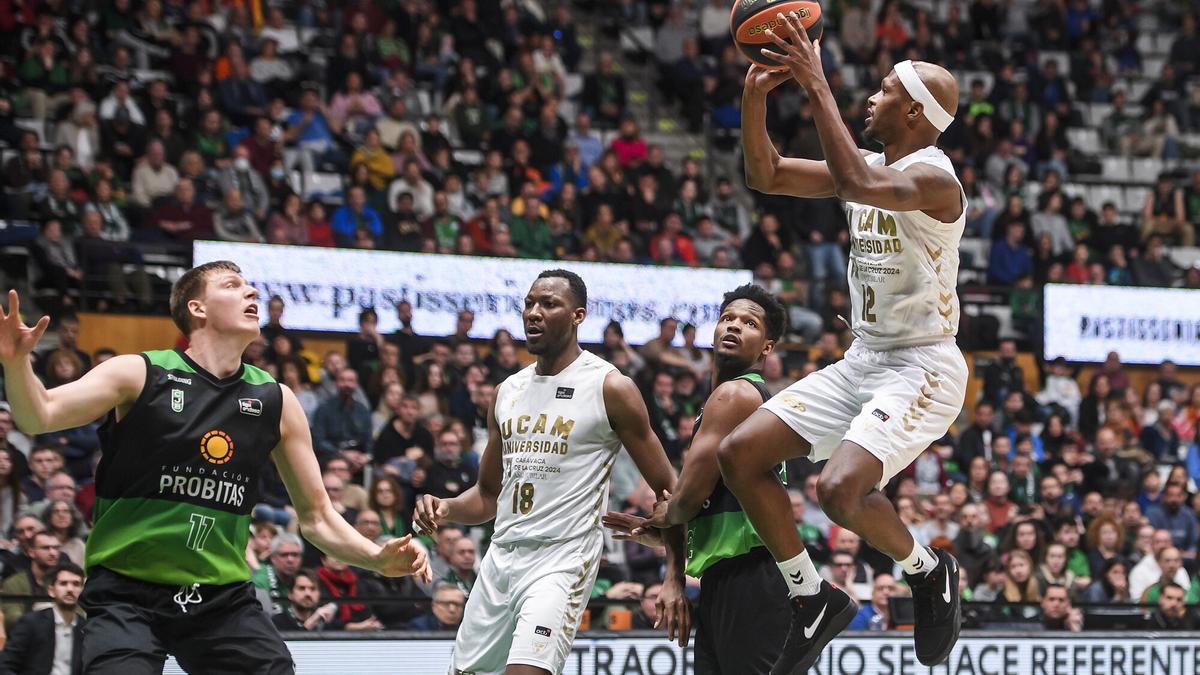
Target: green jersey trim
x=169, y=359
x=254, y=375
x=170, y=543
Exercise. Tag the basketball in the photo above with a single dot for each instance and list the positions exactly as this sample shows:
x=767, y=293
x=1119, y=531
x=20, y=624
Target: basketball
x=750, y=19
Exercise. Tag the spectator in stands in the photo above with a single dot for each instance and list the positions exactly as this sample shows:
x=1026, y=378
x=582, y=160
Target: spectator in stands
x=445, y=612
x=1170, y=563
x=344, y=467
x=314, y=129
x=302, y=612
x=181, y=219
x=43, y=551
x=1153, y=268
x=342, y=421
x=153, y=178
x=448, y=475
x=49, y=641
x=338, y=582
x=64, y=522
x=1010, y=258
x=1172, y=612
x=241, y=175
x=44, y=462
x=234, y=221
x=1057, y=612
x=462, y=565
x=603, y=94
x=353, y=216
x=1171, y=516
x=1163, y=214
x=1148, y=572
x=875, y=615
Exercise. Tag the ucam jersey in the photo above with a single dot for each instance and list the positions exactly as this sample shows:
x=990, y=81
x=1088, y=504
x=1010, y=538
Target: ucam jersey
x=558, y=450
x=903, y=268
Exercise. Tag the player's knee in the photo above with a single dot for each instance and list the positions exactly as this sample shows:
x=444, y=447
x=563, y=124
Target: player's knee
x=838, y=496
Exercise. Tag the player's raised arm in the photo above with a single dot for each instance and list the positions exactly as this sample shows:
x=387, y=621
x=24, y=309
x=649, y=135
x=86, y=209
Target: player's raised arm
x=319, y=522
x=628, y=417
x=766, y=170
x=918, y=188
x=477, y=504
x=37, y=410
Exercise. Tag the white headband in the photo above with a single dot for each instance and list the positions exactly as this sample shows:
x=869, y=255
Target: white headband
x=934, y=112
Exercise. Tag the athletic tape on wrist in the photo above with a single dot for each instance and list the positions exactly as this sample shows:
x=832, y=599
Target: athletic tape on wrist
x=934, y=112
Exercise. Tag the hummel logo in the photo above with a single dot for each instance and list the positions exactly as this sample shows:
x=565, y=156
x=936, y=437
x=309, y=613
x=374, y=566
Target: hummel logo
x=920, y=565
x=811, y=629
x=797, y=578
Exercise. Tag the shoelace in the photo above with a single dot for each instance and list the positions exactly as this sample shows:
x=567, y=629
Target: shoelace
x=188, y=595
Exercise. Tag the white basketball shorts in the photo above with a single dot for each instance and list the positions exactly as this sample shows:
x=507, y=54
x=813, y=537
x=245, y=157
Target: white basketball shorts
x=893, y=403
x=526, y=606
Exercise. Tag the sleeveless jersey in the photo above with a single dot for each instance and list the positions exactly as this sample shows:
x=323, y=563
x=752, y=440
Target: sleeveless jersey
x=558, y=451
x=179, y=473
x=903, y=268
x=721, y=530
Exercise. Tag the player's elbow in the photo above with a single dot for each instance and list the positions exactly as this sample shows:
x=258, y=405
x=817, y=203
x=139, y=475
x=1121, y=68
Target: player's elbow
x=849, y=189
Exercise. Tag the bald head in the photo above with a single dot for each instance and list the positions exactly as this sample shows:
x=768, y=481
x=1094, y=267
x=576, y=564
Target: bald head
x=940, y=83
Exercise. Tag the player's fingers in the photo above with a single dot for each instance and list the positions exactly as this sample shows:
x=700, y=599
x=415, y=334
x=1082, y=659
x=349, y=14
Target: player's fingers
x=799, y=33
x=403, y=540
x=40, y=328
x=685, y=631
x=788, y=19
x=783, y=44
x=14, y=305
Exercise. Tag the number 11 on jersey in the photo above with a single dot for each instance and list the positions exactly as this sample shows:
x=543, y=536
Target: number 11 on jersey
x=522, y=498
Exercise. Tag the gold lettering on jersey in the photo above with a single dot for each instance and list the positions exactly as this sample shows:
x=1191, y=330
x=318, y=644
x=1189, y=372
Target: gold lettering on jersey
x=884, y=225
x=560, y=429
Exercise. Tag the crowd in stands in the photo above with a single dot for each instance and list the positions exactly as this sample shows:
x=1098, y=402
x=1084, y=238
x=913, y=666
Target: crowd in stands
x=129, y=125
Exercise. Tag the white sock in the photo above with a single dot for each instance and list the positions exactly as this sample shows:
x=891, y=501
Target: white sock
x=921, y=560
x=800, y=575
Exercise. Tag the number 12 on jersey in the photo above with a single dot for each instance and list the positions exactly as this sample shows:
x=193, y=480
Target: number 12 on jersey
x=868, y=296
x=522, y=498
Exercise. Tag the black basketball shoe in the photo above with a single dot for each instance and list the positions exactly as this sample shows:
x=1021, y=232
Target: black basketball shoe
x=937, y=609
x=816, y=619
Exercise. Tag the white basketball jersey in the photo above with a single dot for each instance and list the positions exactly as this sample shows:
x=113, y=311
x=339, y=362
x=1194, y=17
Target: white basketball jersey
x=558, y=451
x=903, y=268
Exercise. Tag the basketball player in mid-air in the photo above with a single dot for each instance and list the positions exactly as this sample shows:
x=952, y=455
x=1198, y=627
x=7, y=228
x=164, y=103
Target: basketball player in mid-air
x=553, y=434
x=743, y=614
x=187, y=436
x=902, y=381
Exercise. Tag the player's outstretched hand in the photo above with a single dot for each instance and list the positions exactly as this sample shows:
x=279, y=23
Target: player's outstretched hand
x=404, y=556
x=657, y=520
x=430, y=513
x=674, y=612
x=801, y=55
x=624, y=524
x=16, y=339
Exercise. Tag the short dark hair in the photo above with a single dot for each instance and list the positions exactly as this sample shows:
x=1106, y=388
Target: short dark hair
x=189, y=287
x=66, y=567
x=578, y=288
x=772, y=308
x=369, y=312
x=309, y=574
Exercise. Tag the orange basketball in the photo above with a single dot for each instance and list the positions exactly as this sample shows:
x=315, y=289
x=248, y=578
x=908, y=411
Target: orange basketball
x=750, y=19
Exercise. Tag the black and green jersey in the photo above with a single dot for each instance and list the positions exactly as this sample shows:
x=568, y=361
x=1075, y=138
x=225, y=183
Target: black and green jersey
x=179, y=473
x=721, y=530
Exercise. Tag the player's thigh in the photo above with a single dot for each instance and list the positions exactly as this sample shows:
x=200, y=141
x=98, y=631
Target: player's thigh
x=749, y=614
x=119, y=637
x=118, y=640
x=550, y=600
x=231, y=635
x=815, y=412
x=485, y=634
x=914, y=401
